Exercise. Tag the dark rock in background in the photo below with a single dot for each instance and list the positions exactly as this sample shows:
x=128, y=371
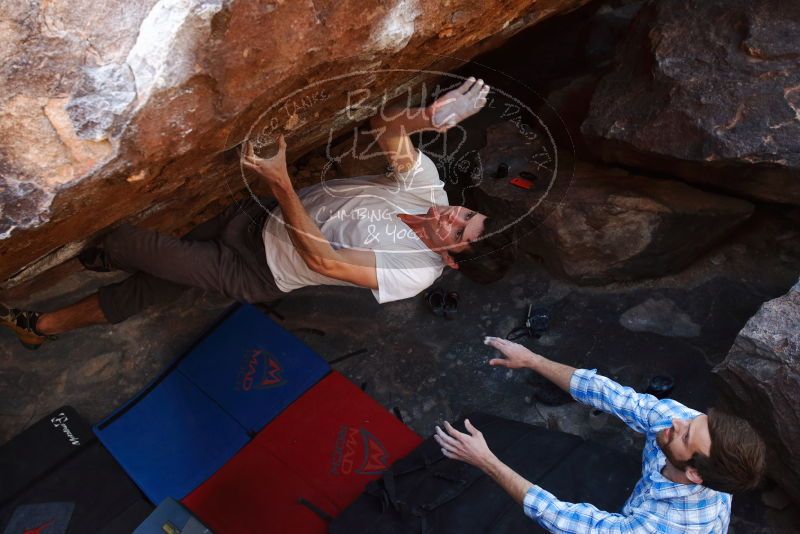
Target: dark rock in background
x=569, y=97
x=604, y=225
x=761, y=380
x=660, y=316
x=568, y=102
x=614, y=227
x=708, y=90
x=562, y=62
x=607, y=27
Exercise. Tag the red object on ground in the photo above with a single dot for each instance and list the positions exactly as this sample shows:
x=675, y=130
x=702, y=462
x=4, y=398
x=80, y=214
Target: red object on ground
x=324, y=448
x=522, y=183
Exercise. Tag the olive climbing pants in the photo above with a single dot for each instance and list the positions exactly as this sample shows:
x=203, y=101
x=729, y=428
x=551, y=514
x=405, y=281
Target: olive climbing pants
x=225, y=254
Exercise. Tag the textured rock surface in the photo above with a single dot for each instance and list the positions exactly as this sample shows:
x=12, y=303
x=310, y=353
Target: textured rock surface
x=600, y=225
x=708, y=90
x=660, y=316
x=761, y=379
x=122, y=110
x=617, y=227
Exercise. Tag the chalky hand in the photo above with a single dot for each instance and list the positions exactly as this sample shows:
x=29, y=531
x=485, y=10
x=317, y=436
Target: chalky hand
x=470, y=447
x=515, y=356
x=458, y=104
x=272, y=169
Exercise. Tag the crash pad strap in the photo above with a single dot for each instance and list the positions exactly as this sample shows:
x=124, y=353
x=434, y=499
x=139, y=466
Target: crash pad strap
x=316, y=509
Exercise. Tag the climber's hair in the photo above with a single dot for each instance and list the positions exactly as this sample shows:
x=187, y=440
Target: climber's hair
x=737, y=456
x=489, y=257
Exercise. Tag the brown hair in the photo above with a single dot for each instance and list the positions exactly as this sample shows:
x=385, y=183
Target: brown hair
x=737, y=456
x=491, y=255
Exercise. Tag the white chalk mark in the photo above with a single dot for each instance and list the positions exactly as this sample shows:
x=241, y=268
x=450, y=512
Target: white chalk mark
x=396, y=29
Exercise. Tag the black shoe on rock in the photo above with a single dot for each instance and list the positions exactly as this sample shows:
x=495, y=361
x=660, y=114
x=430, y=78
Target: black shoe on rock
x=95, y=259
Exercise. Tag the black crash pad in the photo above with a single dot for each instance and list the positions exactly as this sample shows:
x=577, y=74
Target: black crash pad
x=38, y=449
x=57, y=464
x=426, y=492
x=105, y=500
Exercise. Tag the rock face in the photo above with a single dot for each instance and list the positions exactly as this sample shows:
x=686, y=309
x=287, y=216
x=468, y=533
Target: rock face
x=124, y=110
x=598, y=224
x=708, y=90
x=614, y=227
x=761, y=380
x=660, y=316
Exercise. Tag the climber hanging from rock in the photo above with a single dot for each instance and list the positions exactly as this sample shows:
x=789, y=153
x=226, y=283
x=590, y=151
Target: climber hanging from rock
x=393, y=234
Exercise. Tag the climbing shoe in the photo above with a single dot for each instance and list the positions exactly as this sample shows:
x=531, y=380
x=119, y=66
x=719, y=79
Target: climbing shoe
x=95, y=259
x=23, y=324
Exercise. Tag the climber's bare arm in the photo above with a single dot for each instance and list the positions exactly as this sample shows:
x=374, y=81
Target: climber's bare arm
x=349, y=265
x=392, y=126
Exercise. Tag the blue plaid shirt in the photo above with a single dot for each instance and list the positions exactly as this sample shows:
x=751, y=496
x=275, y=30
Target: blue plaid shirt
x=656, y=504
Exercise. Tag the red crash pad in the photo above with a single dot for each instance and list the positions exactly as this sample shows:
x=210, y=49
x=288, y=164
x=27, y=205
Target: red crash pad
x=310, y=462
x=337, y=438
x=255, y=493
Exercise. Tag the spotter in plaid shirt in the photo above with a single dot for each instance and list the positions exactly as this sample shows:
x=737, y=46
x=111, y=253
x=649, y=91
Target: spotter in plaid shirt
x=684, y=487
x=656, y=504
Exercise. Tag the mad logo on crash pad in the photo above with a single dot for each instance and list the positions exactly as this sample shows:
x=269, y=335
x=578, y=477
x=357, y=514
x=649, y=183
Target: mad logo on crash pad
x=358, y=451
x=259, y=370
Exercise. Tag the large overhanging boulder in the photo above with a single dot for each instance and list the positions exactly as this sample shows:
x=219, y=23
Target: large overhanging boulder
x=123, y=110
x=761, y=380
x=709, y=91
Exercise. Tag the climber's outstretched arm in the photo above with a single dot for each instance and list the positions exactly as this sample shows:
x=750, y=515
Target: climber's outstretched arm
x=392, y=126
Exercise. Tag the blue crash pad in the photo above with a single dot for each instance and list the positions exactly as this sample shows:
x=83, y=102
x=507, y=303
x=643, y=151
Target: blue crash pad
x=252, y=367
x=169, y=517
x=184, y=426
x=172, y=439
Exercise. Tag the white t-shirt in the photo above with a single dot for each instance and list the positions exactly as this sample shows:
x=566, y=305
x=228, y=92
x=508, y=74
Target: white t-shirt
x=361, y=213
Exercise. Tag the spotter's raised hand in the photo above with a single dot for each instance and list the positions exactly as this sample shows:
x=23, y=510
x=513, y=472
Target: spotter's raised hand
x=470, y=448
x=515, y=356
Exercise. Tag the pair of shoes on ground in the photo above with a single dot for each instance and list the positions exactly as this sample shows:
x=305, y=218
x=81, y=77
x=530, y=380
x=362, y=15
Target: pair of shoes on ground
x=23, y=324
x=441, y=303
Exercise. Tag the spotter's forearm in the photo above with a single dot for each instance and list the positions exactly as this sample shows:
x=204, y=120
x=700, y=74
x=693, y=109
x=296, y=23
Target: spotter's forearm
x=512, y=482
x=557, y=373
